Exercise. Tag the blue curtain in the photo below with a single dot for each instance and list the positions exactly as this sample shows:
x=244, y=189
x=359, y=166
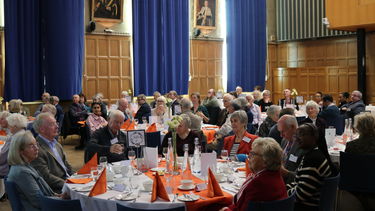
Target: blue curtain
x=161, y=46
x=62, y=24
x=23, y=78
x=246, y=43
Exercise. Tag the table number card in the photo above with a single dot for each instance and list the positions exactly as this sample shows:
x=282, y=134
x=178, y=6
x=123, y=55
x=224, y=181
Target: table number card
x=151, y=157
x=330, y=134
x=208, y=160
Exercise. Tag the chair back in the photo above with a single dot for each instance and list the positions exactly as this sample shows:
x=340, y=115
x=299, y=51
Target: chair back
x=13, y=195
x=56, y=204
x=284, y=204
x=121, y=207
x=356, y=172
x=328, y=193
x=339, y=124
x=153, y=139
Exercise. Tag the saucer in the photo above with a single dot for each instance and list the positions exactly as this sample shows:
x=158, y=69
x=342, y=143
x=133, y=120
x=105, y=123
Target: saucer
x=181, y=187
x=84, y=188
x=188, y=197
x=125, y=197
x=157, y=169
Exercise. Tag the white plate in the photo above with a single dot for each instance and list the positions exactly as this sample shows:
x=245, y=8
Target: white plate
x=83, y=189
x=191, y=197
x=191, y=187
x=157, y=169
x=125, y=197
x=80, y=176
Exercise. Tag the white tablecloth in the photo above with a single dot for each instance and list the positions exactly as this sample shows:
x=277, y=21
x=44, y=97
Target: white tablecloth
x=2, y=187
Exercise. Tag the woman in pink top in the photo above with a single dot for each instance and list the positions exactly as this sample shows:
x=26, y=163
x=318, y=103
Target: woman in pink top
x=95, y=120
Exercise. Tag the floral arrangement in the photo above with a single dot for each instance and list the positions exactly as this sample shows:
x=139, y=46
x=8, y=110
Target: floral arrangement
x=173, y=124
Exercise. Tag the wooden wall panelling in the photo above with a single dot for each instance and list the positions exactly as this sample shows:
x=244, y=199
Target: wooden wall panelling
x=107, y=66
x=205, y=66
x=271, y=64
x=2, y=63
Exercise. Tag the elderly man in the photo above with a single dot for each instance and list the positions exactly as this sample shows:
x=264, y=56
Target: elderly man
x=355, y=107
x=223, y=114
x=239, y=92
x=175, y=104
x=123, y=106
x=212, y=105
x=109, y=141
x=288, y=101
x=51, y=162
x=144, y=109
x=77, y=112
x=292, y=153
x=195, y=120
x=331, y=113
x=46, y=100
x=54, y=100
x=156, y=96
x=271, y=119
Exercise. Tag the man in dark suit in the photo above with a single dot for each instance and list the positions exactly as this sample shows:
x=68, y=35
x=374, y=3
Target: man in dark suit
x=355, y=107
x=223, y=114
x=288, y=100
x=51, y=162
x=343, y=98
x=144, y=109
x=77, y=112
x=109, y=141
x=175, y=102
x=330, y=113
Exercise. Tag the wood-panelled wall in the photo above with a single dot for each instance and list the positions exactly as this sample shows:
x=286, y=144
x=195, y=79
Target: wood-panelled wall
x=2, y=63
x=107, y=66
x=322, y=59
x=206, y=69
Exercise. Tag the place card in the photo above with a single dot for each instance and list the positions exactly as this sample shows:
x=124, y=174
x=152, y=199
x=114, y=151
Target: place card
x=151, y=157
x=208, y=160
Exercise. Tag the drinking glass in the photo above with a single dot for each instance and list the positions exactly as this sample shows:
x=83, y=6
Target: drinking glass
x=136, y=122
x=131, y=155
x=102, y=162
x=165, y=152
x=224, y=154
x=94, y=173
x=144, y=120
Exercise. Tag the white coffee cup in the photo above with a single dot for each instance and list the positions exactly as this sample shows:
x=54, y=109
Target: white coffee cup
x=186, y=183
x=147, y=185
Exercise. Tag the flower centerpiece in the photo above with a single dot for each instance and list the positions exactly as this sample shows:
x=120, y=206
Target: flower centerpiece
x=173, y=124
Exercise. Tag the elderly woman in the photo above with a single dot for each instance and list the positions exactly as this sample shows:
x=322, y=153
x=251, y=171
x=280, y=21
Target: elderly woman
x=226, y=128
x=364, y=124
x=257, y=96
x=240, y=142
x=245, y=107
x=4, y=123
x=49, y=108
x=312, y=110
x=265, y=102
x=255, y=110
x=30, y=185
x=271, y=119
x=315, y=166
x=156, y=96
x=288, y=101
x=161, y=110
x=199, y=109
x=15, y=106
x=95, y=120
x=184, y=136
x=16, y=124
x=195, y=120
x=266, y=182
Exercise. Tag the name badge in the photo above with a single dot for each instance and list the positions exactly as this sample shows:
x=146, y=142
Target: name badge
x=293, y=158
x=246, y=139
x=114, y=141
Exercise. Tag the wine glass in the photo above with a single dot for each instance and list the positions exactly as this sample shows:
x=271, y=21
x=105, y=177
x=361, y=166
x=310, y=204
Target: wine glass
x=131, y=155
x=144, y=120
x=136, y=122
x=165, y=152
x=94, y=173
x=224, y=154
x=102, y=162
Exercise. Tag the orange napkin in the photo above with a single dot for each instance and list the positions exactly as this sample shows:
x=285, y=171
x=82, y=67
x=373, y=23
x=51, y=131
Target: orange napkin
x=2, y=142
x=79, y=181
x=158, y=189
x=93, y=162
x=131, y=126
x=247, y=168
x=213, y=187
x=3, y=133
x=30, y=118
x=126, y=124
x=100, y=186
x=152, y=128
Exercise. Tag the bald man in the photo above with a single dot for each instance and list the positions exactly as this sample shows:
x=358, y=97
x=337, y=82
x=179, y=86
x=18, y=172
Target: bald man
x=123, y=106
x=355, y=107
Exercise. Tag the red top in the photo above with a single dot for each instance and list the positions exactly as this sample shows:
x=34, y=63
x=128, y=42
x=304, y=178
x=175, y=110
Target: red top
x=263, y=186
x=244, y=148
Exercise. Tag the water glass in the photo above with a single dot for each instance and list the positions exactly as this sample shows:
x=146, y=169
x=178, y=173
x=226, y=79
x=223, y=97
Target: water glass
x=165, y=152
x=94, y=173
x=102, y=162
x=144, y=120
x=224, y=154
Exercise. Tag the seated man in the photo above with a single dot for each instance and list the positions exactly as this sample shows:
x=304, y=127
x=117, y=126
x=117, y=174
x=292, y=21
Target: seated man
x=77, y=112
x=355, y=107
x=45, y=99
x=144, y=109
x=51, y=162
x=212, y=105
x=109, y=141
x=288, y=100
x=330, y=113
x=195, y=120
x=123, y=105
x=174, y=103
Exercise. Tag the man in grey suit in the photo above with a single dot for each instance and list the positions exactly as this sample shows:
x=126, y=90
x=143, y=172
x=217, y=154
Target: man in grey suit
x=51, y=162
x=355, y=107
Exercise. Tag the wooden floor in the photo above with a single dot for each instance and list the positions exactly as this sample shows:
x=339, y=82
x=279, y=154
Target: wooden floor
x=75, y=158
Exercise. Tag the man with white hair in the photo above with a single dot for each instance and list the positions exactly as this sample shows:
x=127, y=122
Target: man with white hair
x=292, y=153
x=51, y=162
x=109, y=141
x=222, y=117
x=123, y=106
x=196, y=120
x=45, y=99
x=355, y=107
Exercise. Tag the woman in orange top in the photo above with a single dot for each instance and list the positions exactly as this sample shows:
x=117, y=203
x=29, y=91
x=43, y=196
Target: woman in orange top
x=240, y=142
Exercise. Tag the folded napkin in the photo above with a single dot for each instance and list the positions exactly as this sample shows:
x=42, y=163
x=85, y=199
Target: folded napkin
x=79, y=181
x=152, y=128
x=30, y=118
x=210, y=127
x=82, y=123
x=3, y=133
x=100, y=186
x=131, y=126
x=93, y=162
x=126, y=124
x=158, y=189
x=213, y=187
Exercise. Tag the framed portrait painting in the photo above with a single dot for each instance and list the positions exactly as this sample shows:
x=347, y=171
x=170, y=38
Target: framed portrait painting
x=205, y=14
x=107, y=10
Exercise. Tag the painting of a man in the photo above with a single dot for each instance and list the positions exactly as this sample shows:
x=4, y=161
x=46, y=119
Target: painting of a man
x=107, y=9
x=205, y=17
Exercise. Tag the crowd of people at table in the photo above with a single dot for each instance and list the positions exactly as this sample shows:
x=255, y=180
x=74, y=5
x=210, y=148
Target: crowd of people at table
x=286, y=154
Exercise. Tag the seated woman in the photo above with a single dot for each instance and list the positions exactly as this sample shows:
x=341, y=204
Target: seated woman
x=312, y=110
x=30, y=185
x=271, y=119
x=265, y=183
x=17, y=123
x=4, y=123
x=242, y=102
x=199, y=109
x=255, y=110
x=95, y=119
x=240, y=142
x=288, y=101
x=161, y=110
x=184, y=136
x=15, y=106
x=315, y=166
x=265, y=102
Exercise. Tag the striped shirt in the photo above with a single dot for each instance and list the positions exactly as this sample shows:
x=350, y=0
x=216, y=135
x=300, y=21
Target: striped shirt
x=311, y=172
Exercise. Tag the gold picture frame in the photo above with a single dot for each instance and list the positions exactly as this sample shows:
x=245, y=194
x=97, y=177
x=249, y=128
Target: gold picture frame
x=110, y=11
x=205, y=14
